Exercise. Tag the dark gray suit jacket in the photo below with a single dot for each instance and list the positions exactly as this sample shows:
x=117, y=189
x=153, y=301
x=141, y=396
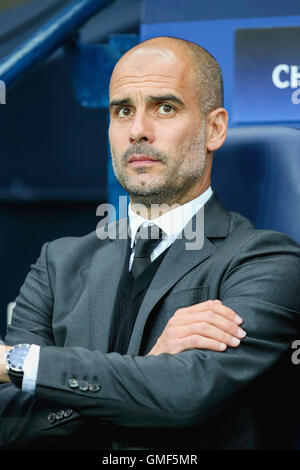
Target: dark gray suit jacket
x=197, y=399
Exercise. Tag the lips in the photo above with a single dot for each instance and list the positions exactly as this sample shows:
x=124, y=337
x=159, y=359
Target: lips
x=141, y=159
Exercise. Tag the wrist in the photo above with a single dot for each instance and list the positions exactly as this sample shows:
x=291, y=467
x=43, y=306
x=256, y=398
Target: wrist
x=155, y=351
x=3, y=375
x=15, y=358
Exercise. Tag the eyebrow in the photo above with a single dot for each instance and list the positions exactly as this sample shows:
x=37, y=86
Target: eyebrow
x=151, y=99
x=166, y=98
x=122, y=102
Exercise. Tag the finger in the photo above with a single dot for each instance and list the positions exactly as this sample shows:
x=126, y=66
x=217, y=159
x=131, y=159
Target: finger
x=223, y=323
x=227, y=312
x=199, y=342
x=213, y=305
x=211, y=317
x=206, y=330
x=217, y=306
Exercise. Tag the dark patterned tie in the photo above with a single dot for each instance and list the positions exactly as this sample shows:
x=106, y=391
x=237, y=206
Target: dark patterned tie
x=147, y=239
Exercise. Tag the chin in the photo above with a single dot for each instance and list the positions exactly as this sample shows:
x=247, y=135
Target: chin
x=145, y=183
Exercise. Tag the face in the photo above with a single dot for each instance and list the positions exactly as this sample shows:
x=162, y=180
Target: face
x=156, y=132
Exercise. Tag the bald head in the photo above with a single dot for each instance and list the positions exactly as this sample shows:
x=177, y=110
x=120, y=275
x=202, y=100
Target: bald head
x=206, y=75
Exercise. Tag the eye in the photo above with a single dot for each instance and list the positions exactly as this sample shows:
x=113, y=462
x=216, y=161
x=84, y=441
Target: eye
x=166, y=109
x=125, y=111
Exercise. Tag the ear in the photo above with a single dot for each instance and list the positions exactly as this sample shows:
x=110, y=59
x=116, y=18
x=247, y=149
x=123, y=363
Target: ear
x=216, y=128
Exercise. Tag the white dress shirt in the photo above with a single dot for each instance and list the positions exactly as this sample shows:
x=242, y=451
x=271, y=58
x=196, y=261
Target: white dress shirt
x=172, y=223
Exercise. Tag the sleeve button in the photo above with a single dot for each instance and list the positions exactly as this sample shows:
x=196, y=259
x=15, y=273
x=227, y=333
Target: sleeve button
x=73, y=383
x=94, y=387
x=68, y=412
x=83, y=385
x=51, y=417
x=59, y=414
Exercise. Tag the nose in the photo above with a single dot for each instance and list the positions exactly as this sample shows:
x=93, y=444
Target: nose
x=141, y=129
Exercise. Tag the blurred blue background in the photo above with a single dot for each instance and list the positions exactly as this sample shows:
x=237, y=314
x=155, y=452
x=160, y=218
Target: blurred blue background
x=55, y=159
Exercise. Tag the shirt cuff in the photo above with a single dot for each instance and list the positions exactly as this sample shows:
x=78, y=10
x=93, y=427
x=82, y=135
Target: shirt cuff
x=30, y=369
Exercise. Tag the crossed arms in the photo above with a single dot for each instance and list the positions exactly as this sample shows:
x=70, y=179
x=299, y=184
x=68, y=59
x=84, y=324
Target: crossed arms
x=177, y=383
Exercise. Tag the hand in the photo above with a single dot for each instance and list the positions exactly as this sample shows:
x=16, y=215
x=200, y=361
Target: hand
x=207, y=325
x=3, y=376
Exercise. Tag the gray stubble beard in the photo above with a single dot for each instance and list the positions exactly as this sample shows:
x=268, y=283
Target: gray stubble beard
x=171, y=189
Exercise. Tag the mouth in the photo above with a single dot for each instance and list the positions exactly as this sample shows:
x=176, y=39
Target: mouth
x=136, y=160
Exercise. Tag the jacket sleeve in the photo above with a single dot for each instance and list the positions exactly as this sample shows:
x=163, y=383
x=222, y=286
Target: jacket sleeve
x=24, y=418
x=261, y=284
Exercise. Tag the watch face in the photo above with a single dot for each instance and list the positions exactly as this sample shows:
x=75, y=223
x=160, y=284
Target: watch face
x=16, y=356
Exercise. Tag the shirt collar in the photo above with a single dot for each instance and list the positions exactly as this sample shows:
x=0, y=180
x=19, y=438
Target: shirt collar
x=173, y=221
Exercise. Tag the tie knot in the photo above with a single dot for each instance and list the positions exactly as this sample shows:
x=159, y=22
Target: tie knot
x=146, y=240
x=153, y=232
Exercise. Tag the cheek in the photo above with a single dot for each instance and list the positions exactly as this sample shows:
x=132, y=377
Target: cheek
x=117, y=138
x=112, y=133
x=172, y=137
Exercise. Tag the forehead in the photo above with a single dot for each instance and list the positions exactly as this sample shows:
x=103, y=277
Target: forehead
x=151, y=68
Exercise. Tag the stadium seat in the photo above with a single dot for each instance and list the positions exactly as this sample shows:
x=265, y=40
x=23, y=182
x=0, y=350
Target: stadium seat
x=257, y=173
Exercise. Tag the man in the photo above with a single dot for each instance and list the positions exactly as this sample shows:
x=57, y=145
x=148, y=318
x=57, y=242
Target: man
x=136, y=349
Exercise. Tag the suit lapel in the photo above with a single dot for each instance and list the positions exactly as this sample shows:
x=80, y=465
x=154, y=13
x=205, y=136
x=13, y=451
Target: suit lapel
x=177, y=262
x=105, y=274
x=106, y=270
